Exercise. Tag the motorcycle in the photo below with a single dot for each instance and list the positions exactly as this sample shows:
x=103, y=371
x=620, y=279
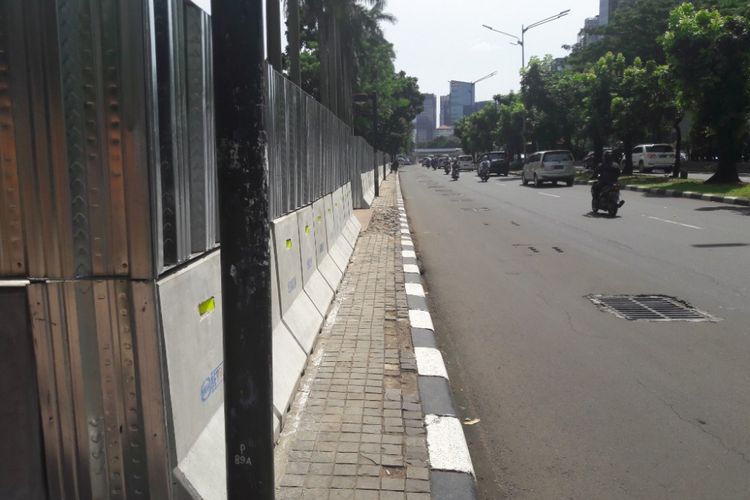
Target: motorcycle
x=455, y=171
x=484, y=171
x=447, y=168
x=608, y=199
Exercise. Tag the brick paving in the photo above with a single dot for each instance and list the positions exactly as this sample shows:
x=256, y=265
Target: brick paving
x=356, y=427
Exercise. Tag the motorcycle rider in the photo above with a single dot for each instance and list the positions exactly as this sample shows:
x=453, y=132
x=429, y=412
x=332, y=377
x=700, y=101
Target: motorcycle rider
x=605, y=174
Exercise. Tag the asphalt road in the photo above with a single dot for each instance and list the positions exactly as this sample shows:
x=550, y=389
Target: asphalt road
x=575, y=402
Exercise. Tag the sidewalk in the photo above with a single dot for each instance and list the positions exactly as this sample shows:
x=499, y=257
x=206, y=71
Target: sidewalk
x=356, y=429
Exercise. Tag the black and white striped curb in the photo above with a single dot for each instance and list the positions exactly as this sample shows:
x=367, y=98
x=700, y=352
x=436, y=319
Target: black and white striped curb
x=452, y=473
x=734, y=200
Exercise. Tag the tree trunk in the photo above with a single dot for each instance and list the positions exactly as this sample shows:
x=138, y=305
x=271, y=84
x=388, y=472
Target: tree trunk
x=677, y=148
x=726, y=172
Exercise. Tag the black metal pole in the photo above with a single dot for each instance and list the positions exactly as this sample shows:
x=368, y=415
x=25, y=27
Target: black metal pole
x=239, y=75
x=273, y=33
x=374, y=97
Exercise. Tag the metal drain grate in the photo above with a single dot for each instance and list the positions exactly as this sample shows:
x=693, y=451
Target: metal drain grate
x=649, y=308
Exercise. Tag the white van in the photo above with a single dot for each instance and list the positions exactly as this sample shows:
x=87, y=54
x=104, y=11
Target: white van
x=549, y=166
x=650, y=156
x=465, y=162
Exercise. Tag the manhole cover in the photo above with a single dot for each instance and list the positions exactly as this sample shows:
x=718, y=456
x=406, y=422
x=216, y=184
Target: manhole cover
x=649, y=308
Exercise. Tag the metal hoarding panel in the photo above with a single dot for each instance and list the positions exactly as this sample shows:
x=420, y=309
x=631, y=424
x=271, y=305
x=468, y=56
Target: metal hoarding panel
x=90, y=381
x=79, y=140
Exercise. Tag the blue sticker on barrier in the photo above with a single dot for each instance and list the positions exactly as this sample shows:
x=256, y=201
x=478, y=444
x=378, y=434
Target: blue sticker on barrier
x=309, y=263
x=212, y=382
x=292, y=285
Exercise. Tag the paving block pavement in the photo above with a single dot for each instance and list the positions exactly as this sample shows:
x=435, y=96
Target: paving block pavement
x=357, y=427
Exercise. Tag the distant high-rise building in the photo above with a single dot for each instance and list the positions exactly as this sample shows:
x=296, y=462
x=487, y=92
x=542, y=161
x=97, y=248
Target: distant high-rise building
x=606, y=8
x=461, y=99
x=479, y=105
x=445, y=104
x=426, y=120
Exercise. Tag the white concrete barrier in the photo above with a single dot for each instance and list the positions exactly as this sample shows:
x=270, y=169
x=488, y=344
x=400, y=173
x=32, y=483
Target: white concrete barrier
x=314, y=284
x=327, y=267
x=297, y=310
x=338, y=249
x=288, y=356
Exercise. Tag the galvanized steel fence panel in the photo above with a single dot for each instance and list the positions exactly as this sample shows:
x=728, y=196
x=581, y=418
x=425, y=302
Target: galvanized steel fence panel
x=311, y=152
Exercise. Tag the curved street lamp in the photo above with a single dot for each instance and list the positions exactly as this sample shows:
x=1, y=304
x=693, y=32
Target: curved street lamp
x=522, y=42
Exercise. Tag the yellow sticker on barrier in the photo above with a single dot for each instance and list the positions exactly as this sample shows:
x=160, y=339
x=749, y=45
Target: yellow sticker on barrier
x=307, y=229
x=288, y=244
x=207, y=306
x=320, y=219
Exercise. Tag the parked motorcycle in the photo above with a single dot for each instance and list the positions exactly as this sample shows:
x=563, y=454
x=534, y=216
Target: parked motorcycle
x=484, y=171
x=608, y=199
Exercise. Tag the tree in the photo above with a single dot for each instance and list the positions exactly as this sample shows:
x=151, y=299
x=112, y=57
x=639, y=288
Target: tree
x=710, y=55
x=601, y=83
x=477, y=131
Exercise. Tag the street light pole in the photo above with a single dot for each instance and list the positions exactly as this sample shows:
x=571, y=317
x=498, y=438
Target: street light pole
x=522, y=42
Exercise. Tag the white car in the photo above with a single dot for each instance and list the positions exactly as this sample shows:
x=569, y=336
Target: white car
x=466, y=162
x=651, y=156
x=551, y=166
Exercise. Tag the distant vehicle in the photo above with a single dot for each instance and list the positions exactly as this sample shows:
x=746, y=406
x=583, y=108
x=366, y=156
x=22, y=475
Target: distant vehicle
x=498, y=162
x=551, y=166
x=466, y=162
x=650, y=156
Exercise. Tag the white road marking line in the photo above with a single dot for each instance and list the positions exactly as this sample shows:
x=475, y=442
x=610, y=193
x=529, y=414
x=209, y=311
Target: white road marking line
x=430, y=362
x=414, y=289
x=446, y=444
x=408, y=253
x=550, y=195
x=421, y=319
x=672, y=222
x=411, y=268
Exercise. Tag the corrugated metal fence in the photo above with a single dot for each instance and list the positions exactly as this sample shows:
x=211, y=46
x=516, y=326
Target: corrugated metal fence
x=311, y=152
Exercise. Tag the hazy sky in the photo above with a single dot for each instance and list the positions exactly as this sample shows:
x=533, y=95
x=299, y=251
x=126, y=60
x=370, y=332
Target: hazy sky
x=442, y=40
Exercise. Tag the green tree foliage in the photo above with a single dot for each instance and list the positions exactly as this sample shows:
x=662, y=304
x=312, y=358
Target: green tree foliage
x=601, y=82
x=551, y=98
x=477, y=132
x=364, y=64
x=710, y=56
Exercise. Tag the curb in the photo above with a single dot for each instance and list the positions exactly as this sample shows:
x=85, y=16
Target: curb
x=733, y=200
x=451, y=469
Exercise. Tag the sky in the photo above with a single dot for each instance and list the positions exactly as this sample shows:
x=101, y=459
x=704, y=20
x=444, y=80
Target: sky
x=442, y=40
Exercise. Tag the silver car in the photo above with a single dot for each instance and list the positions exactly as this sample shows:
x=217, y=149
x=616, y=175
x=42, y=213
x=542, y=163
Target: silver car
x=555, y=166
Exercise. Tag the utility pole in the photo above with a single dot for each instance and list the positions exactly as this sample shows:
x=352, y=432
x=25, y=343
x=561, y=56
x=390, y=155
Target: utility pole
x=239, y=76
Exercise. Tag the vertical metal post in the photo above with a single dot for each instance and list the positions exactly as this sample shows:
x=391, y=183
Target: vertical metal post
x=273, y=33
x=374, y=96
x=293, y=25
x=523, y=67
x=239, y=73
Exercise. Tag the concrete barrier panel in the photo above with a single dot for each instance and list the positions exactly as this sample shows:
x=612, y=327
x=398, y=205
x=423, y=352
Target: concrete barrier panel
x=337, y=249
x=201, y=475
x=297, y=310
x=289, y=358
x=315, y=285
x=326, y=265
x=190, y=304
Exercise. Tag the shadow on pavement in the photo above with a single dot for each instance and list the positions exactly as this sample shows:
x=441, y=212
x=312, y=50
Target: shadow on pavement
x=720, y=245
x=738, y=209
